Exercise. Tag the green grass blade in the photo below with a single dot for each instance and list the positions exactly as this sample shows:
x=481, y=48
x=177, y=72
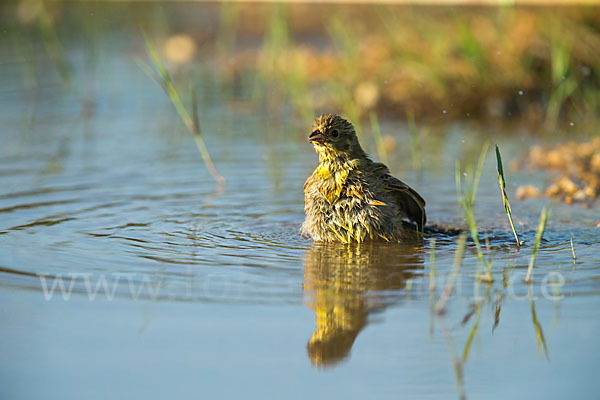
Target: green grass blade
x=467, y=348
x=432, y=265
x=539, y=333
x=538, y=238
x=160, y=74
x=502, y=183
x=458, y=255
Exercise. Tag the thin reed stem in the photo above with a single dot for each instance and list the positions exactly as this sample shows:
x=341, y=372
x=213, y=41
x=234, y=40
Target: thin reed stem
x=502, y=183
x=538, y=238
x=462, y=240
x=432, y=265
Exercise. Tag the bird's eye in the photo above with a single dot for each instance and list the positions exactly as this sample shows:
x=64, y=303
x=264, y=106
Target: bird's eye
x=335, y=133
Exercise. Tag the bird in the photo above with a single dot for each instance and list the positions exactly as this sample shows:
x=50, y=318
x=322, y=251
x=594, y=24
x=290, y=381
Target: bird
x=350, y=198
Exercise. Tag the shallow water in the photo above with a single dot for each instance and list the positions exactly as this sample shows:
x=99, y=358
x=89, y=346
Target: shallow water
x=174, y=289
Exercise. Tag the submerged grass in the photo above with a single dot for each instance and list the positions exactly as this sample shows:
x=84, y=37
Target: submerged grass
x=160, y=74
x=462, y=240
x=456, y=362
x=497, y=310
x=538, y=238
x=432, y=265
x=487, y=277
x=467, y=348
x=539, y=333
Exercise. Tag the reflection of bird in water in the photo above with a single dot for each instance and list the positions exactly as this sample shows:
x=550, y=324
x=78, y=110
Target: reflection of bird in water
x=342, y=281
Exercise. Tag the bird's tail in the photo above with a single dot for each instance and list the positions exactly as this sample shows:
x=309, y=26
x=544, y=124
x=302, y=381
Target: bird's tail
x=433, y=230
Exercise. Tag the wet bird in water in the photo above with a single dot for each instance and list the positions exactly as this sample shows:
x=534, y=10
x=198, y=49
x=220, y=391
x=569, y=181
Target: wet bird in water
x=349, y=197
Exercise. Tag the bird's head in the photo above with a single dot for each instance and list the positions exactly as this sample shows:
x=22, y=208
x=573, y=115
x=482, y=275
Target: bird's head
x=334, y=137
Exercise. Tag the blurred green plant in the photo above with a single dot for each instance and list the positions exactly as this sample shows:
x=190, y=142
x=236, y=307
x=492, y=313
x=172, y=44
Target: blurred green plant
x=564, y=82
x=347, y=44
x=415, y=144
x=229, y=16
x=54, y=47
x=380, y=145
x=276, y=40
x=482, y=73
x=158, y=72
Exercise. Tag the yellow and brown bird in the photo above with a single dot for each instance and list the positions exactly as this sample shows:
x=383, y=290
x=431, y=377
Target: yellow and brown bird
x=349, y=197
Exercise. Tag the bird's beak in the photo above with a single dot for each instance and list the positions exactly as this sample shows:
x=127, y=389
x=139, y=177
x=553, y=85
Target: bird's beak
x=316, y=136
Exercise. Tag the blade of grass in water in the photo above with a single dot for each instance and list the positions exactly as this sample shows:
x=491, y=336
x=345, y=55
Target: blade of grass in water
x=452, y=278
x=538, y=238
x=488, y=271
x=432, y=265
x=539, y=333
x=573, y=250
x=497, y=312
x=160, y=74
x=467, y=347
x=431, y=287
x=502, y=183
x=458, y=365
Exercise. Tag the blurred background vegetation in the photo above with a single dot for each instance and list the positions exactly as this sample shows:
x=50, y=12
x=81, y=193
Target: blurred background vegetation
x=536, y=65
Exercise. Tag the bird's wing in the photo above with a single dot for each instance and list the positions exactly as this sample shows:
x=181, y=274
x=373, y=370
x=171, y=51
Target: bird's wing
x=406, y=198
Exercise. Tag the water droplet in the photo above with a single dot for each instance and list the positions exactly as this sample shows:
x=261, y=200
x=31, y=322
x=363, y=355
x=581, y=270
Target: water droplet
x=520, y=93
x=464, y=174
x=572, y=123
x=444, y=111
